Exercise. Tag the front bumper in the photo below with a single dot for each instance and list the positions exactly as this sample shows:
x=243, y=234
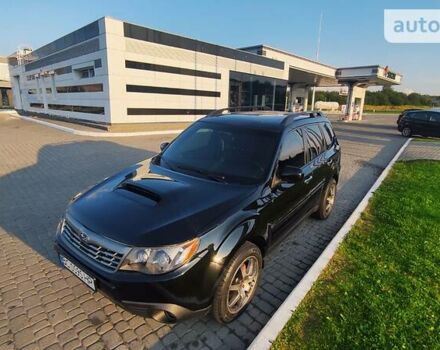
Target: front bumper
x=167, y=298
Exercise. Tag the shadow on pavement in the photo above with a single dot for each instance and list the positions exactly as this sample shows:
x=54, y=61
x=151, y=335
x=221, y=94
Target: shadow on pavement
x=34, y=198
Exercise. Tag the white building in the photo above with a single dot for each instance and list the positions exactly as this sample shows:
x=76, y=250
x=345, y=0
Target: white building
x=5, y=84
x=112, y=72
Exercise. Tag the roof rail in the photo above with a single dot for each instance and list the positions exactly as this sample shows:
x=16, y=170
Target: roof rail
x=308, y=113
x=301, y=115
x=219, y=112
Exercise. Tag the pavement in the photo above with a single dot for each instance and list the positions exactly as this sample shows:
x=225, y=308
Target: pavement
x=43, y=306
x=85, y=126
x=420, y=149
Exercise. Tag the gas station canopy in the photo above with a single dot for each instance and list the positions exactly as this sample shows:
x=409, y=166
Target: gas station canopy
x=368, y=75
x=303, y=74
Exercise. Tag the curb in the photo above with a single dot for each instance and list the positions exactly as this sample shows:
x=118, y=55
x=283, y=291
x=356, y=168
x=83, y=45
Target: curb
x=273, y=327
x=97, y=133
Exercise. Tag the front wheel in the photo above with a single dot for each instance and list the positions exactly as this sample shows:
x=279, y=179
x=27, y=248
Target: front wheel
x=327, y=201
x=238, y=283
x=406, y=131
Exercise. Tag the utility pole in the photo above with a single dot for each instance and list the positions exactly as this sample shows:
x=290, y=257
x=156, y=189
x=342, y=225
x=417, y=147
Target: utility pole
x=317, y=57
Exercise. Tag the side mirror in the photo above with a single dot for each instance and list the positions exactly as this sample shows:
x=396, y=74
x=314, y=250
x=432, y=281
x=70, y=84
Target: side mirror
x=164, y=145
x=291, y=173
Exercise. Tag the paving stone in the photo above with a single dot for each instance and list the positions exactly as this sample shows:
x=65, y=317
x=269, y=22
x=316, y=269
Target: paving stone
x=112, y=339
x=23, y=338
x=42, y=168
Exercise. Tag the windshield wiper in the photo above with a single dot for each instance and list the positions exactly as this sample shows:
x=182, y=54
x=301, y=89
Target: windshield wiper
x=214, y=177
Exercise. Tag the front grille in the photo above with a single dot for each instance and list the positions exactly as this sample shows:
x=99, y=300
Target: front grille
x=104, y=256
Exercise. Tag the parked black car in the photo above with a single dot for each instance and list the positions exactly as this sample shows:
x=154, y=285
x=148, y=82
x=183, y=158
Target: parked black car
x=186, y=231
x=404, y=112
x=421, y=122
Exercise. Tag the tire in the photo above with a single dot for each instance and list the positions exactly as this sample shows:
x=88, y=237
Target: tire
x=406, y=131
x=327, y=200
x=223, y=309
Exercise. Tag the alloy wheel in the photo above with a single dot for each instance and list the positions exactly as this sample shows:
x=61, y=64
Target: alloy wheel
x=330, y=200
x=243, y=284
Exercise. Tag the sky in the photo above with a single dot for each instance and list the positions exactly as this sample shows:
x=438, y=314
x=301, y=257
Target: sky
x=352, y=31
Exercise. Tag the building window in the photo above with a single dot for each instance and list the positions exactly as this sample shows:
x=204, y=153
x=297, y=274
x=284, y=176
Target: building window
x=39, y=91
x=80, y=88
x=171, y=91
x=36, y=105
x=79, y=109
x=166, y=111
x=63, y=70
x=256, y=91
x=86, y=73
x=172, y=70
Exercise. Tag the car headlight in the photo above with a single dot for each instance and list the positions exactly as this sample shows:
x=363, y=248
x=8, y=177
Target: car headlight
x=60, y=227
x=160, y=260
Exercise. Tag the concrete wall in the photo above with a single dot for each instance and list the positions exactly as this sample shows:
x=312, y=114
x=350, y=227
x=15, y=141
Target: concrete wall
x=45, y=78
x=4, y=70
x=120, y=48
x=298, y=62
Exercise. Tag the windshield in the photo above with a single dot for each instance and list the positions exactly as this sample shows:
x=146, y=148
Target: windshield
x=223, y=153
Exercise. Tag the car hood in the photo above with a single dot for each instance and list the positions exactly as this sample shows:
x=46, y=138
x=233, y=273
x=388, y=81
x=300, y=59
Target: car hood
x=147, y=205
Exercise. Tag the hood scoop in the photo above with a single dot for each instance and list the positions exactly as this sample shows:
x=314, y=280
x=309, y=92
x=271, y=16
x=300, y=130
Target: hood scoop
x=139, y=190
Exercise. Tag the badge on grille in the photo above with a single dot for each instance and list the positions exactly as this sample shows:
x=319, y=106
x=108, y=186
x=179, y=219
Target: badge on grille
x=83, y=237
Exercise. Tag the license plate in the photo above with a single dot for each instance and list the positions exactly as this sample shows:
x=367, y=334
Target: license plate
x=89, y=281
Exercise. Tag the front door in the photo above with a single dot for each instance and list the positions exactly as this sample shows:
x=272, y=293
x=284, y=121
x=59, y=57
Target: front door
x=287, y=197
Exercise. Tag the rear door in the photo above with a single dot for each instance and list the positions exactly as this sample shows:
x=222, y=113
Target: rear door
x=419, y=123
x=315, y=170
x=332, y=150
x=434, y=121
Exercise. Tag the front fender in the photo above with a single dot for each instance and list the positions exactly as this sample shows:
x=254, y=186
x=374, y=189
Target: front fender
x=233, y=241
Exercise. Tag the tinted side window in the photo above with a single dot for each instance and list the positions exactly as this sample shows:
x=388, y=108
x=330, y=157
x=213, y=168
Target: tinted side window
x=292, y=150
x=328, y=134
x=434, y=117
x=418, y=116
x=314, y=141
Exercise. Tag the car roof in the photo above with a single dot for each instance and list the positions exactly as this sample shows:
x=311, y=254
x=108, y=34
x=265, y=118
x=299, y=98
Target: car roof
x=267, y=120
x=437, y=110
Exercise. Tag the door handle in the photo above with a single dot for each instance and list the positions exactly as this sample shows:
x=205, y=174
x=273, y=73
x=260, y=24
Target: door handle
x=308, y=179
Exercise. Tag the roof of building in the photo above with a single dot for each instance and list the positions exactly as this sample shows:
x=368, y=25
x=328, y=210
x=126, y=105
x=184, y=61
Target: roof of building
x=264, y=46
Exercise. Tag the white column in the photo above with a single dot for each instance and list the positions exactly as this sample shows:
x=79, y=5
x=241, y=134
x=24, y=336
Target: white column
x=361, y=107
x=313, y=97
x=306, y=98
x=350, y=103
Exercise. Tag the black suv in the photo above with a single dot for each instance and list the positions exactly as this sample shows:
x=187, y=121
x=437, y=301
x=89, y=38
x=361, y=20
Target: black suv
x=186, y=231
x=420, y=122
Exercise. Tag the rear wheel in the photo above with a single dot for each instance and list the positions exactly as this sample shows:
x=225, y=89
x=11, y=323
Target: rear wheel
x=406, y=131
x=327, y=200
x=238, y=283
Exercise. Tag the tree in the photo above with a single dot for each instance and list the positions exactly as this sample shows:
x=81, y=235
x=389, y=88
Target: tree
x=386, y=97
